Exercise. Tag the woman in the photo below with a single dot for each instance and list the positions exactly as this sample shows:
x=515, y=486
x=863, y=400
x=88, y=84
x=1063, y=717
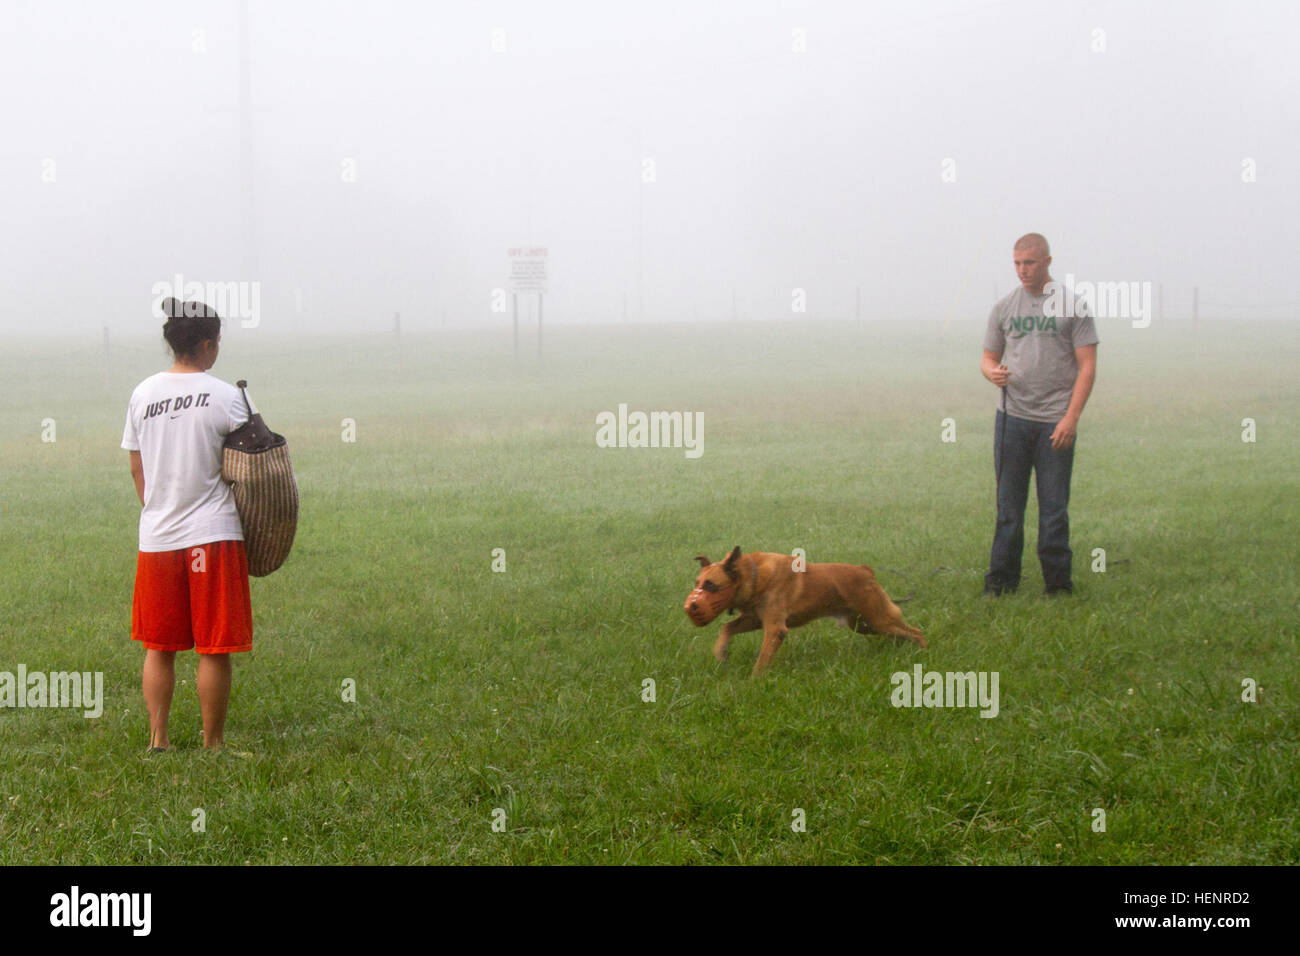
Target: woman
x=191, y=579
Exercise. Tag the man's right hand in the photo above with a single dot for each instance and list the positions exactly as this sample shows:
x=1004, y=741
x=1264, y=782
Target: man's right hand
x=993, y=369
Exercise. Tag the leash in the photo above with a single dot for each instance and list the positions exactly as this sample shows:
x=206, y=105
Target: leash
x=939, y=570
x=1002, y=437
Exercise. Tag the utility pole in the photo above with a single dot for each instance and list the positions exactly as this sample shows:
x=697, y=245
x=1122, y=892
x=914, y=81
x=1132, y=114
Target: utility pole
x=247, y=205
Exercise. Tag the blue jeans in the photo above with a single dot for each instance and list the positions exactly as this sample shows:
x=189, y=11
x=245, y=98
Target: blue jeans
x=1027, y=446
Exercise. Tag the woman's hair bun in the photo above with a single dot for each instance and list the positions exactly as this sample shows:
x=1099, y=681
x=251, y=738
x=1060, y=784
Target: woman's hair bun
x=189, y=325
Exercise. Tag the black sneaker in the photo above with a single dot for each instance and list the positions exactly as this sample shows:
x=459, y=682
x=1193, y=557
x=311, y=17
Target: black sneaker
x=1059, y=590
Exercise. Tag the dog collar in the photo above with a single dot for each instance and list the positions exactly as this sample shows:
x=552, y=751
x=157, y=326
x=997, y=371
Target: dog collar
x=735, y=588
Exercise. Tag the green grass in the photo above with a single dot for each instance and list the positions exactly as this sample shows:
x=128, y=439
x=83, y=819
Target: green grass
x=522, y=690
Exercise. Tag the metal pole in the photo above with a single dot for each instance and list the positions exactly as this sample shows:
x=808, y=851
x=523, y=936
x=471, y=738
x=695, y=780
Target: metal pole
x=640, y=230
x=248, y=205
x=640, y=256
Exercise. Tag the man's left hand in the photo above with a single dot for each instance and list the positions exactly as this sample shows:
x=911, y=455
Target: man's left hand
x=1063, y=434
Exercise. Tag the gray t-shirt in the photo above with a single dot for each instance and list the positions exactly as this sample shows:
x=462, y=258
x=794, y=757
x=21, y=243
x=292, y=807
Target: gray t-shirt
x=1038, y=350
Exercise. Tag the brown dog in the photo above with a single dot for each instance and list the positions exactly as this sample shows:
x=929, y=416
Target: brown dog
x=770, y=594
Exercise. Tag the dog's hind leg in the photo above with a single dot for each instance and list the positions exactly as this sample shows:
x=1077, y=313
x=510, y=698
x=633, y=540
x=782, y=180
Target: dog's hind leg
x=879, y=615
x=746, y=622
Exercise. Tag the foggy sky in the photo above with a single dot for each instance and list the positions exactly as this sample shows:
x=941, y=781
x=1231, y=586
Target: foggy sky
x=773, y=169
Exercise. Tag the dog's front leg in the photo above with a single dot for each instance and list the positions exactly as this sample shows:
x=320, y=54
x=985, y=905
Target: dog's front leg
x=746, y=622
x=774, y=632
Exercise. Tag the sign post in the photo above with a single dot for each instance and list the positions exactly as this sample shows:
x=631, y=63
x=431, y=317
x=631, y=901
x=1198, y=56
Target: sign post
x=528, y=273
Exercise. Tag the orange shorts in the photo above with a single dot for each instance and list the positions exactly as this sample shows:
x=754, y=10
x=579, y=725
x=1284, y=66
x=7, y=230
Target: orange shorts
x=195, y=597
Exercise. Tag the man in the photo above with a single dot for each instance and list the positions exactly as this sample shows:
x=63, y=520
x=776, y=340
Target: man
x=1043, y=356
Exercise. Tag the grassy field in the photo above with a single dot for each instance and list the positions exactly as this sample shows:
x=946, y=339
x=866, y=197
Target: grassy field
x=522, y=691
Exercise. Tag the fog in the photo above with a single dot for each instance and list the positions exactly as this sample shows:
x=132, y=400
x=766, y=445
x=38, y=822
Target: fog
x=678, y=161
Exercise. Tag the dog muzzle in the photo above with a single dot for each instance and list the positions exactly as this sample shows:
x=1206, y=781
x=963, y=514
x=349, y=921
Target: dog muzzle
x=703, y=606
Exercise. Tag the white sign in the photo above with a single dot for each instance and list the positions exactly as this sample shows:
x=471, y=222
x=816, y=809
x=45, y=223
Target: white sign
x=527, y=268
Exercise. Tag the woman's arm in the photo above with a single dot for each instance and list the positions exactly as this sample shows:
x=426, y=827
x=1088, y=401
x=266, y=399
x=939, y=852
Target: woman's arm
x=137, y=475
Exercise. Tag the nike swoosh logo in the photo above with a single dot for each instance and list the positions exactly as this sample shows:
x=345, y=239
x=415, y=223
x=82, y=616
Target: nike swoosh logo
x=173, y=416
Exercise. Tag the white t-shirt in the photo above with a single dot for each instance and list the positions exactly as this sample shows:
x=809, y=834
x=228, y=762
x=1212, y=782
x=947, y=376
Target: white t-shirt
x=178, y=422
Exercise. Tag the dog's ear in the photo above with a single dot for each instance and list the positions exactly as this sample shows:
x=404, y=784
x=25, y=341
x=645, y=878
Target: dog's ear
x=704, y=562
x=729, y=565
